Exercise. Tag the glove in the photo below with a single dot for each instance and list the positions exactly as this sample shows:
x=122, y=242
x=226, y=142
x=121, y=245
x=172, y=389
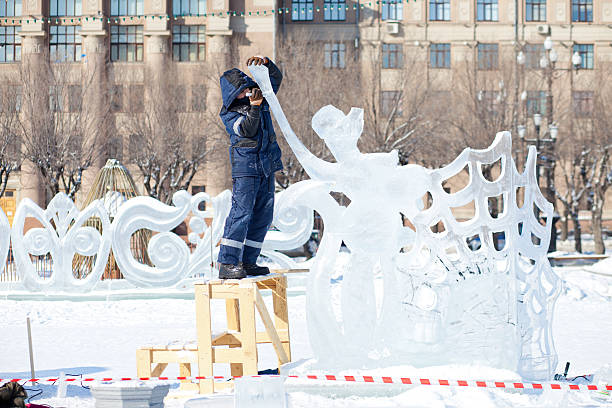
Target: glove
x=257, y=61
x=256, y=97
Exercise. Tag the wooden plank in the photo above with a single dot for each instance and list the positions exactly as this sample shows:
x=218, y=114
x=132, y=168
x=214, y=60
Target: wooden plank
x=281, y=313
x=159, y=369
x=189, y=386
x=143, y=362
x=185, y=371
x=247, y=324
x=263, y=338
x=283, y=271
x=270, y=329
x=227, y=339
x=171, y=356
x=233, y=323
x=204, y=335
x=229, y=355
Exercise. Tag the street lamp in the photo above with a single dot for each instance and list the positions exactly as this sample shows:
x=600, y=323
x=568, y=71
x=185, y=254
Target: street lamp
x=576, y=60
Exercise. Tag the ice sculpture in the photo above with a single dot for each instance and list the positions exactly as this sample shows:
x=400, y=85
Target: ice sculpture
x=440, y=301
x=172, y=260
x=62, y=235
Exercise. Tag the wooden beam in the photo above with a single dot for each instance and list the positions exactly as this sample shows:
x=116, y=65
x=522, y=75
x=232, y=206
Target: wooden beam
x=204, y=335
x=159, y=369
x=143, y=363
x=270, y=329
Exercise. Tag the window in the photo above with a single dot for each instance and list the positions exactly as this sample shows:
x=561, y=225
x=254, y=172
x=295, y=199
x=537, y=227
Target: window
x=65, y=43
x=334, y=55
x=392, y=55
x=10, y=44
x=533, y=54
x=65, y=8
x=115, y=148
x=439, y=10
x=198, y=98
x=582, y=103
x=301, y=10
x=535, y=10
x=75, y=98
x=439, y=56
x=486, y=10
x=116, y=98
x=390, y=100
x=126, y=43
x=536, y=103
x=189, y=7
x=488, y=56
x=199, y=189
x=10, y=8
x=135, y=146
x=136, y=98
x=586, y=52
x=56, y=103
x=189, y=43
x=490, y=101
x=178, y=97
x=127, y=7
x=582, y=10
x=392, y=10
x=334, y=10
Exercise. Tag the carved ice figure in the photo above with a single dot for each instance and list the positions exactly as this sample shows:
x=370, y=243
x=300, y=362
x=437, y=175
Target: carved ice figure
x=62, y=235
x=171, y=257
x=490, y=306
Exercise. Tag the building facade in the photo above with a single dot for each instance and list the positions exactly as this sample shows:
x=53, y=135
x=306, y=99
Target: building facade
x=115, y=41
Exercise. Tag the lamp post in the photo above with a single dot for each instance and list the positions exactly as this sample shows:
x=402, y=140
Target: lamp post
x=546, y=145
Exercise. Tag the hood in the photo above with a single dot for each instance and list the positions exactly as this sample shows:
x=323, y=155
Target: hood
x=232, y=83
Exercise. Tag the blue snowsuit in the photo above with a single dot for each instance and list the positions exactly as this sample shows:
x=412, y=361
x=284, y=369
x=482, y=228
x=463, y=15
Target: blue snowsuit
x=255, y=156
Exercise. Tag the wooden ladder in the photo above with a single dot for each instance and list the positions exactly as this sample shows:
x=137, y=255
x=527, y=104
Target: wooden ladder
x=238, y=345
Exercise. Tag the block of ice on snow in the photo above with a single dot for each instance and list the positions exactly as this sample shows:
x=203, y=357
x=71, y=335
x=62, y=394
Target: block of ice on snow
x=440, y=300
x=260, y=392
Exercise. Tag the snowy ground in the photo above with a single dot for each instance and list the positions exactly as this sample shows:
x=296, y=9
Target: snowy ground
x=99, y=338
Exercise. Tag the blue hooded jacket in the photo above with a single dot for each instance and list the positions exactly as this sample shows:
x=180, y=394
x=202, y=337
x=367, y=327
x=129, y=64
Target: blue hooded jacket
x=253, y=147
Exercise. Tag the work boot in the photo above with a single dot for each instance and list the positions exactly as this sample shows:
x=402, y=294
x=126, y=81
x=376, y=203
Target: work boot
x=254, y=270
x=229, y=271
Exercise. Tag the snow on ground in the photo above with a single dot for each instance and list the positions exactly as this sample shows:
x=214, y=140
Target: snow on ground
x=99, y=338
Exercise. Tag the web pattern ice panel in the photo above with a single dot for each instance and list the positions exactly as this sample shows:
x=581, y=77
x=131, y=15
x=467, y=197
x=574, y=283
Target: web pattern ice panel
x=505, y=293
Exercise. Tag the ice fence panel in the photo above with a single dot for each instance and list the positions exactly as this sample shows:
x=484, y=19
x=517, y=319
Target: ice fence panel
x=44, y=254
x=440, y=301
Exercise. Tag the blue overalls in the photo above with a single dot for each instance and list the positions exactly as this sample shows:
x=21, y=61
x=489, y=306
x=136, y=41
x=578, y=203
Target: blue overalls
x=255, y=156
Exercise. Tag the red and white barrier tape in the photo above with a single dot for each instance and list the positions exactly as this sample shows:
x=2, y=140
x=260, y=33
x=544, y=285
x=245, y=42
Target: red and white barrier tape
x=347, y=378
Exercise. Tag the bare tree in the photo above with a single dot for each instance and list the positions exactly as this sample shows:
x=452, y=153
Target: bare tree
x=313, y=76
x=10, y=154
x=61, y=134
x=397, y=104
x=168, y=142
x=483, y=106
x=594, y=131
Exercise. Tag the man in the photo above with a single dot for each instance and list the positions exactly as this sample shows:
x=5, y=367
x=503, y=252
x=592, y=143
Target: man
x=255, y=156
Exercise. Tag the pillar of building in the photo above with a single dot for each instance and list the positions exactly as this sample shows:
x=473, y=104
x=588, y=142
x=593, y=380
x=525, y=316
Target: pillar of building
x=95, y=88
x=33, y=59
x=218, y=54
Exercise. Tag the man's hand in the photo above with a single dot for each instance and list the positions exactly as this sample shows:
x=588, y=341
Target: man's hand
x=257, y=61
x=256, y=97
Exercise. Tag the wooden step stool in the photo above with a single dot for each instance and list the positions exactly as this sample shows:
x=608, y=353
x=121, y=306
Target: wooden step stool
x=238, y=345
